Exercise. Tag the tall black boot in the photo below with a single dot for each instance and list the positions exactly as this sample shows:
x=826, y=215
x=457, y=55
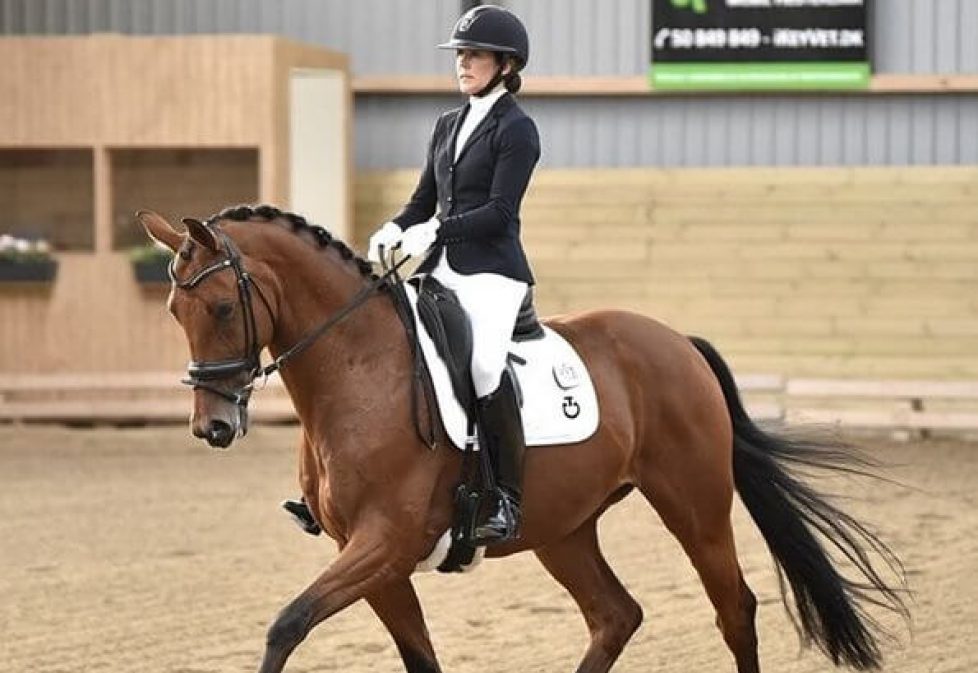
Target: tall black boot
x=501, y=434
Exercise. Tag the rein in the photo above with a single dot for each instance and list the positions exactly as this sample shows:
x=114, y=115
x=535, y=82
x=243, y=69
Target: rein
x=201, y=374
x=324, y=327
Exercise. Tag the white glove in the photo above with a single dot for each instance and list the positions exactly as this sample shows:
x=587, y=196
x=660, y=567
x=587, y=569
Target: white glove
x=387, y=236
x=420, y=237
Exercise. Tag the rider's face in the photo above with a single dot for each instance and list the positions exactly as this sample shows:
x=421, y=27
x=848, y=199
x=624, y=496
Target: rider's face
x=474, y=68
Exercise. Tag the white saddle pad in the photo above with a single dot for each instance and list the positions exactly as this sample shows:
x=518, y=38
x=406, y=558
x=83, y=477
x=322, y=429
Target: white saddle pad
x=559, y=402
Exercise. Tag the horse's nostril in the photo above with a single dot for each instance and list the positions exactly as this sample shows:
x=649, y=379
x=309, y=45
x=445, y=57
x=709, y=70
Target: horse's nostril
x=219, y=433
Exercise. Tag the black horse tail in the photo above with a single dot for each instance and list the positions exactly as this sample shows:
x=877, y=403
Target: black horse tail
x=830, y=609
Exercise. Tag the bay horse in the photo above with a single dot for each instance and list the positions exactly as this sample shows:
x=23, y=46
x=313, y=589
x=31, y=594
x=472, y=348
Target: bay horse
x=672, y=426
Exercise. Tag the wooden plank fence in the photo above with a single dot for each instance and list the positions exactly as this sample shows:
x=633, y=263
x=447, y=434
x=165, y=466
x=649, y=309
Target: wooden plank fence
x=902, y=407
x=119, y=398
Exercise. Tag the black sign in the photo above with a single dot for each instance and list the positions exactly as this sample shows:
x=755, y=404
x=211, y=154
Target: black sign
x=759, y=43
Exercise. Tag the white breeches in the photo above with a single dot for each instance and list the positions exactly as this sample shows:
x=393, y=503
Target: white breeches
x=492, y=303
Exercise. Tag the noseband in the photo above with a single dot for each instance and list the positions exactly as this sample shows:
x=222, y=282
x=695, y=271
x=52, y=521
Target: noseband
x=203, y=374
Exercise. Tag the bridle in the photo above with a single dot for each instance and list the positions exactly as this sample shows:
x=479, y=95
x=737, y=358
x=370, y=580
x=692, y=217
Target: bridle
x=204, y=374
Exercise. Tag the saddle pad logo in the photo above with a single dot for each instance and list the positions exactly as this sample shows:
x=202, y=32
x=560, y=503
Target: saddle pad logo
x=570, y=407
x=566, y=375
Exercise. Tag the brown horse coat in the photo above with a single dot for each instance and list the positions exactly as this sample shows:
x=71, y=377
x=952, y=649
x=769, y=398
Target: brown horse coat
x=672, y=427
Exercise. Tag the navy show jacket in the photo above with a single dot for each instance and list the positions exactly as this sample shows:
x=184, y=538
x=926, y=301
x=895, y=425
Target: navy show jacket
x=478, y=197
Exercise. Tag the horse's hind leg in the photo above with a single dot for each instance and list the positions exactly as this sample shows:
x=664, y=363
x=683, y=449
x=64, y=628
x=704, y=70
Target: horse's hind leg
x=611, y=614
x=715, y=560
x=701, y=523
x=398, y=608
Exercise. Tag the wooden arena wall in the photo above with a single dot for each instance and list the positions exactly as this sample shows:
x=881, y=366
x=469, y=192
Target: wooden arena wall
x=804, y=272
x=842, y=272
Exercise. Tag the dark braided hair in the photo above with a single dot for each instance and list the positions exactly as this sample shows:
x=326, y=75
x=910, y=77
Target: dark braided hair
x=512, y=81
x=243, y=213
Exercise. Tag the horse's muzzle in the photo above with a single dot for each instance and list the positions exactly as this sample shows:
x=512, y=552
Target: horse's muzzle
x=218, y=433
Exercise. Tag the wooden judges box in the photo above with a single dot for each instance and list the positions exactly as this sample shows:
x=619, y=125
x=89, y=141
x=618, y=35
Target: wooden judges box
x=93, y=128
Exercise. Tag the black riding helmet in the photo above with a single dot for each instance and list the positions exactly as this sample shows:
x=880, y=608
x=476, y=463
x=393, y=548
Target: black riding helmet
x=491, y=28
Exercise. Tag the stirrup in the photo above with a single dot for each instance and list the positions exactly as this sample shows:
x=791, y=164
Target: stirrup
x=299, y=511
x=502, y=526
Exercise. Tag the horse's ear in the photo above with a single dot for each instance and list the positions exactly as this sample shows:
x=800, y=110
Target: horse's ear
x=201, y=233
x=158, y=229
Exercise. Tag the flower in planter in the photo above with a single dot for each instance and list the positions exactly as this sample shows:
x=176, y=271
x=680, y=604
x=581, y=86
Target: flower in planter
x=15, y=249
x=24, y=260
x=150, y=253
x=150, y=263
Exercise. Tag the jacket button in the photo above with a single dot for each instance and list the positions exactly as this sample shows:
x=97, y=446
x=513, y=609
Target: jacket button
x=450, y=199
x=451, y=169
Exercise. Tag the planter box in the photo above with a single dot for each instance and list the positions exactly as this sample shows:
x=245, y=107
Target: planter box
x=152, y=272
x=28, y=271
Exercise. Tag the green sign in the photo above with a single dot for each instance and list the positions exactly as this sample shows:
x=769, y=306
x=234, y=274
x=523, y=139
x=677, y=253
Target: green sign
x=759, y=44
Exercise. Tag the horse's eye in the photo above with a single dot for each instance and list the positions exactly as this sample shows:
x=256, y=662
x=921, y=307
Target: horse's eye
x=223, y=310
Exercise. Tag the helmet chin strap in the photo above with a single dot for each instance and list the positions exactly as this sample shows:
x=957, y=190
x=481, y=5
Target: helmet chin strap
x=493, y=83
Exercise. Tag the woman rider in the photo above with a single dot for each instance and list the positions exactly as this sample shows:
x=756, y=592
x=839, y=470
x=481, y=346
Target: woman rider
x=479, y=162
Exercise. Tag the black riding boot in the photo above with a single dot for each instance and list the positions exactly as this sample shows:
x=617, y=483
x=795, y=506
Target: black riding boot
x=501, y=434
x=302, y=516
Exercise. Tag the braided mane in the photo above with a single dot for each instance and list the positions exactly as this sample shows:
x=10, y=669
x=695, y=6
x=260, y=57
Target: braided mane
x=243, y=213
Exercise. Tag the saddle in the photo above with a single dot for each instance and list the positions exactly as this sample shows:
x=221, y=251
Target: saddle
x=448, y=326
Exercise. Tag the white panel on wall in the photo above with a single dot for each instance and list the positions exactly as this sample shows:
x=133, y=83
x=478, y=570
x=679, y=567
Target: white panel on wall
x=317, y=156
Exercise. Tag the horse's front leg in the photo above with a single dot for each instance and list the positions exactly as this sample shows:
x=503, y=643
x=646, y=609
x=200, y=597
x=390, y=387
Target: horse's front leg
x=310, y=469
x=367, y=563
x=398, y=608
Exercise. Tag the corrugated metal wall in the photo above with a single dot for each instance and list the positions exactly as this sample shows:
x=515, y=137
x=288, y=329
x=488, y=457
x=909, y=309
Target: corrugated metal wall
x=925, y=36
x=383, y=36
x=578, y=37
x=713, y=131
x=594, y=37
x=582, y=37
